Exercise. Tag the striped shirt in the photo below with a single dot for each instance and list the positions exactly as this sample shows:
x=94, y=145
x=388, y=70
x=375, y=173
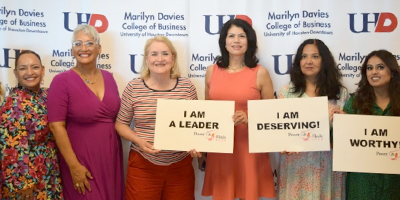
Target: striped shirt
x=140, y=103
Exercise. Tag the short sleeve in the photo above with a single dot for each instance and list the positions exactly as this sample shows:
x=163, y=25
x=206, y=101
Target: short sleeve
x=192, y=91
x=284, y=92
x=125, y=113
x=57, y=99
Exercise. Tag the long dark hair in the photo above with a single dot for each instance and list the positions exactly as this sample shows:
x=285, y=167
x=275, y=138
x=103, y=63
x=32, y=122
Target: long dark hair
x=328, y=78
x=365, y=96
x=250, y=59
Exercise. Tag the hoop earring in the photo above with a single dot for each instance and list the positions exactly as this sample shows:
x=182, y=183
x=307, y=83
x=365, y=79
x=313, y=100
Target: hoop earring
x=42, y=81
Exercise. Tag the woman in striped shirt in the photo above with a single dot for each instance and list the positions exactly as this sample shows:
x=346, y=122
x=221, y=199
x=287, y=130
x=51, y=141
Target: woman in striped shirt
x=155, y=174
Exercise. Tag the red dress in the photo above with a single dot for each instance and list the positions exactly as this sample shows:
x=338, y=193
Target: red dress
x=241, y=174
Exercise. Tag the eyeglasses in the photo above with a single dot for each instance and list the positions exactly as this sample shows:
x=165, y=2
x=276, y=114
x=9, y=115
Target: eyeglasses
x=79, y=44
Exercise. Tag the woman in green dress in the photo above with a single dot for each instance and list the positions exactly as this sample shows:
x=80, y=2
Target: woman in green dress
x=378, y=93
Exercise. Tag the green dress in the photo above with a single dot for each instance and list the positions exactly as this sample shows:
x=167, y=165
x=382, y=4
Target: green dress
x=371, y=186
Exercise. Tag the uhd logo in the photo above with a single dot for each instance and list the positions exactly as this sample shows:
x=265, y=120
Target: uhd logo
x=98, y=21
x=282, y=69
x=218, y=22
x=383, y=22
x=133, y=61
x=7, y=57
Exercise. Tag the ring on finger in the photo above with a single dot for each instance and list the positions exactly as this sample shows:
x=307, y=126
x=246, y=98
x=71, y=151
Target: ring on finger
x=27, y=196
x=77, y=184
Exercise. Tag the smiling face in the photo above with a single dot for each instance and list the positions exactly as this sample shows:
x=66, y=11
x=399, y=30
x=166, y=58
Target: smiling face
x=159, y=58
x=29, y=71
x=236, y=41
x=85, y=49
x=378, y=74
x=310, y=62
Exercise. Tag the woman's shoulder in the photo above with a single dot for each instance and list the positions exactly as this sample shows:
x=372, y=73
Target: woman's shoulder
x=15, y=95
x=286, y=91
x=135, y=83
x=261, y=70
x=344, y=94
x=136, y=80
x=210, y=68
x=63, y=76
x=352, y=98
x=348, y=107
x=107, y=73
x=288, y=86
x=184, y=81
x=344, y=91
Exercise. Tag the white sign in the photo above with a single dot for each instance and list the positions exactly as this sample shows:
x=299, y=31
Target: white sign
x=206, y=126
x=365, y=143
x=292, y=124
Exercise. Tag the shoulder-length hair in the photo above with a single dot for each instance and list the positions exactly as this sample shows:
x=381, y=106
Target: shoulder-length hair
x=365, y=97
x=145, y=72
x=328, y=78
x=250, y=59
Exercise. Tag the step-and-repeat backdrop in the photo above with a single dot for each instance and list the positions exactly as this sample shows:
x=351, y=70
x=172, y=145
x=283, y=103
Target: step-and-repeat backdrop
x=350, y=28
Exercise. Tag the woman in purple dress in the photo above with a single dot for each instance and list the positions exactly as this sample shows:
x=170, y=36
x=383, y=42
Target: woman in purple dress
x=82, y=106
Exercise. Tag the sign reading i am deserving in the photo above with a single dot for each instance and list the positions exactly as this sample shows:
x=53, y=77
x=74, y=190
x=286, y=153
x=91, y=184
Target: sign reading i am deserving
x=365, y=143
x=292, y=124
x=206, y=126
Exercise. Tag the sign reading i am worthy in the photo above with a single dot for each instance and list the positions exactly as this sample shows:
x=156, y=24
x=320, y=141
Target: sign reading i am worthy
x=292, y=124
x=365, y=143
x=206, y=126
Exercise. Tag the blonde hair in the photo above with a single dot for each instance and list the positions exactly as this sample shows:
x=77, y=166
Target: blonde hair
x=145, y=72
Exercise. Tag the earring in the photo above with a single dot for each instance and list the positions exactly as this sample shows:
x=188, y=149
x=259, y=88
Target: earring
x=42, y=81
x=72, y=62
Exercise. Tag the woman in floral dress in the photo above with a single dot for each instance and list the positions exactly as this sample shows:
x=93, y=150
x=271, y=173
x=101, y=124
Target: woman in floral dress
x=29, y=165
x=309, y=175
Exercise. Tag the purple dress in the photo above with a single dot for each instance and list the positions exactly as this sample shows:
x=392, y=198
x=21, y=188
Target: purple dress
x=90, y=125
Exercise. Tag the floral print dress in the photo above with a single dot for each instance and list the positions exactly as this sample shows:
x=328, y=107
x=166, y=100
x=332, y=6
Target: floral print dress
x=309, y=175
x=28, y=151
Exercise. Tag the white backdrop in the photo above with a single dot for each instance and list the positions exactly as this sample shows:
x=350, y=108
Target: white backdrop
x=350, y=28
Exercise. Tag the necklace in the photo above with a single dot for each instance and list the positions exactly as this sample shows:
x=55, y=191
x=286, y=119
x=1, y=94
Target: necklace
x=84, y=78
x=233, y=69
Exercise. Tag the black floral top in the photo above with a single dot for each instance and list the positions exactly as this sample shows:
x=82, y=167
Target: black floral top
x=28, y=150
